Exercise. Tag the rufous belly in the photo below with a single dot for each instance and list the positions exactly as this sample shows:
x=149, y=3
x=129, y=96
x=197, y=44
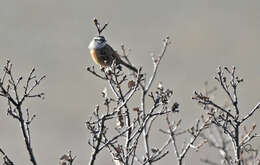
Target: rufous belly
x=96, y=58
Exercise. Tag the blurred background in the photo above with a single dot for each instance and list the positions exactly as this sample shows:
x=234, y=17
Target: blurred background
x=53, y=36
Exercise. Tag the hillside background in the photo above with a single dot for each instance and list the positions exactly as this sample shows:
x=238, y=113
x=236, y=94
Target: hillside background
x=53, y=35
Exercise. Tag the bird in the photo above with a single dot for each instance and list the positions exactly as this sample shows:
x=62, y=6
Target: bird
x=104, y=55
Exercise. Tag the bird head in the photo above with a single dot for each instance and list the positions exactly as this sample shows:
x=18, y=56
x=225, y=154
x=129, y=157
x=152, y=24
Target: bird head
x=97, y=42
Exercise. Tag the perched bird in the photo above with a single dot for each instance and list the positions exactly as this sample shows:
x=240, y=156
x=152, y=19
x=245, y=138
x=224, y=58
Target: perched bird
x=104, y=55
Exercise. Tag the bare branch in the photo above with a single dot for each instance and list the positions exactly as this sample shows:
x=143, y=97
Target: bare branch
x=67, y=159
x=7, y=160
x=15, y=108
x=251, y=113
x=97, y=24
x=156, y=63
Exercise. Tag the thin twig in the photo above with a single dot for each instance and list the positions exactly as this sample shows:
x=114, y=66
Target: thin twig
x=251, y=112
x=7, y=160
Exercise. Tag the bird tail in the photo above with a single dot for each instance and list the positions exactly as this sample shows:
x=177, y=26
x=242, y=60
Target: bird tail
x=129, y=66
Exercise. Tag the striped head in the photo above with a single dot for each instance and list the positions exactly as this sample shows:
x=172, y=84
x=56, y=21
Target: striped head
x=97, y=42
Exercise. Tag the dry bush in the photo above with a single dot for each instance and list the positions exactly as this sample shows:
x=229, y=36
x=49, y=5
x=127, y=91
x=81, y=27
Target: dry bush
x=123, y=124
